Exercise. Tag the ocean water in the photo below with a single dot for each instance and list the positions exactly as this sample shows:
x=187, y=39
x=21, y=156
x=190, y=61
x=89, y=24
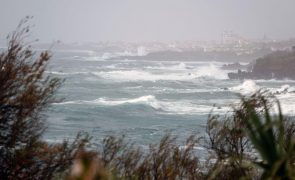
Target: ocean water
x=144, y=100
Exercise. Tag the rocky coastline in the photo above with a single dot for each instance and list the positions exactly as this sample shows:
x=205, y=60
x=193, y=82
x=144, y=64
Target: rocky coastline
x=277, y=65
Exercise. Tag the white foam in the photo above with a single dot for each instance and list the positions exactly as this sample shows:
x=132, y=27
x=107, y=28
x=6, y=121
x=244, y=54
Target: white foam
x=147, y=100
x=112, y=66
x=170, y=107
x=210, y=71
x=106, y=55
x=94, y=58
x=285, y=94
x=283, y=89
x=137, y=75
x=185, y=91
x=65, y=73
x=276, y=80
x=287, y=102
x=56, y=72
x=248, y=87
x=161, y=66
x=72, y=58
x=68, y=102
x=185, y=107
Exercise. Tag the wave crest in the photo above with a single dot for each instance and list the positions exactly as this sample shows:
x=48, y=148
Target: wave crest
x=146, y=100
x=247, y=87
x=170, y=107
x=211, y=71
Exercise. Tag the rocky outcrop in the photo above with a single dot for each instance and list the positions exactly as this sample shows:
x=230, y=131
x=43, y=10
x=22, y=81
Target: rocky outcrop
x=236, y=66
x=278, y=65
x=241, y=75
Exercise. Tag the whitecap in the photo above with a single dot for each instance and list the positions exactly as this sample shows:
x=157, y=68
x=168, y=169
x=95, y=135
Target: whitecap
x=93, y=58
x=247, y=87
x=173, y=67
x=211, y=72
x=65, y=73
x=283, y=89
x=163, y=106
x=285, y=94
x=147, y=100
x=137, y=75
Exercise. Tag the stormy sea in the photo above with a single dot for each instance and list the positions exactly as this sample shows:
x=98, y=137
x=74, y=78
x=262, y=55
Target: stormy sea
x=145, y=99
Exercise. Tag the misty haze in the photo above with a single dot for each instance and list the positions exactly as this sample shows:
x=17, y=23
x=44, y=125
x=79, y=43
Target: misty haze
x=143, y=69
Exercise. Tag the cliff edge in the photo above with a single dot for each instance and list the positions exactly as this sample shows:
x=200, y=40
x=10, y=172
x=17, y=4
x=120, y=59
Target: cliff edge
x=277, y=65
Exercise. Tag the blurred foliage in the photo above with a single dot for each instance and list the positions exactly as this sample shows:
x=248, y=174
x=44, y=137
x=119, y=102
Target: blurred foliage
x=25, y=92
x=272, y=140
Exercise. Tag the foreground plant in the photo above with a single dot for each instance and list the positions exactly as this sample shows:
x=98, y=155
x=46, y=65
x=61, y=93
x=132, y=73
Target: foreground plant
x=25, y=93
x=271, y=140
x=251, y=136
x=165, y=160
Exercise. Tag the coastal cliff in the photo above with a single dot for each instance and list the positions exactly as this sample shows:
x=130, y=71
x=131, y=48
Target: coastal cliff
x=277, y=65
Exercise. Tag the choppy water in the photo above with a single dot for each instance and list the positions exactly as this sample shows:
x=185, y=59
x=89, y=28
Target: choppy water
x=144, y=99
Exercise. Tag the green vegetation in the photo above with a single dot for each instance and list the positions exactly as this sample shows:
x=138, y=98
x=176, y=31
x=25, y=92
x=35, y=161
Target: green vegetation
x=249, y=143
x=270, y=139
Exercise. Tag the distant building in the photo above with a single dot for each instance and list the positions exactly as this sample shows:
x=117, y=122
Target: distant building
x=141, y=51
x=229, y=37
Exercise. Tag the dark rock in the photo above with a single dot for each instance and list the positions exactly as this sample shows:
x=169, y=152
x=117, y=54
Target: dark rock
x=278, y=65
x=241, y=75
x=235, y=66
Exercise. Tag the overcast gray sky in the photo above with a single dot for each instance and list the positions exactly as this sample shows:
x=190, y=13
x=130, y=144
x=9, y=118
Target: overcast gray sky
x=148, y=20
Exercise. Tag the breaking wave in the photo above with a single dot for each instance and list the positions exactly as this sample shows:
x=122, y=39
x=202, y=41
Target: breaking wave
x=285, y=94
x=211, y=72
x=65, y=73
x=248, y=87
x=137, y=75
x=161, y=66
x=283, y=89
x=177, y=107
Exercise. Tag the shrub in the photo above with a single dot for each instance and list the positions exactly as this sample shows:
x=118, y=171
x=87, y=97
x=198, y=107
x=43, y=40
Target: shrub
x=165, y=160
x=25, y=93
x=251, y=136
